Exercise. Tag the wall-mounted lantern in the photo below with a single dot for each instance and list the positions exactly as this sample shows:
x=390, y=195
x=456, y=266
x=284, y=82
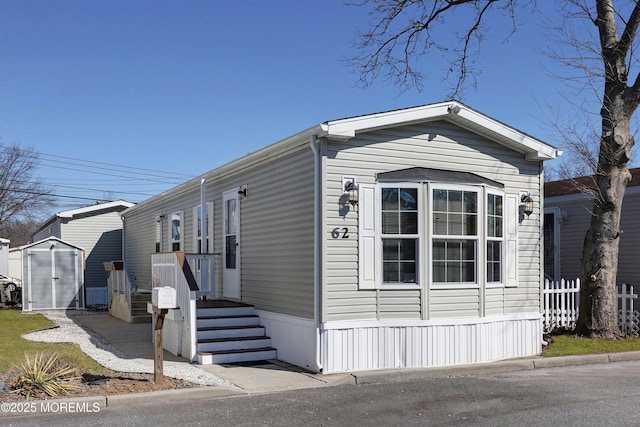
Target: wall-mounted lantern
x=351, y=191
x=526, y=204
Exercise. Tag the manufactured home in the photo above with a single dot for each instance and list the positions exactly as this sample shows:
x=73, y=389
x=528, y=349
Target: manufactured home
x=407, y=238
x=567, y=217
x=96, y=228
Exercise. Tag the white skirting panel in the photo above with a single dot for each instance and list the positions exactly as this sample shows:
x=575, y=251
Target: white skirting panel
x=368, y=345
x=293, y=337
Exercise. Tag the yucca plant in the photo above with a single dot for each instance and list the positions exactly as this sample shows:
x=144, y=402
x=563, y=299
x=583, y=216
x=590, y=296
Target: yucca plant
x=45, y=376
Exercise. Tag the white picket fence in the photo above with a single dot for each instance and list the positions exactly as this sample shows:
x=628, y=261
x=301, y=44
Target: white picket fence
x=562, y=299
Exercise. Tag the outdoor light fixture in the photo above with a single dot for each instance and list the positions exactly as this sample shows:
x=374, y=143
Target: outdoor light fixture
x=351, y=190
x=243, y=191
x=526, y=204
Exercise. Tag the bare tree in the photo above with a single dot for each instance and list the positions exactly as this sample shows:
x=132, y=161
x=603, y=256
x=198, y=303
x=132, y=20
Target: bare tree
x=403, y=32
x=22, y=196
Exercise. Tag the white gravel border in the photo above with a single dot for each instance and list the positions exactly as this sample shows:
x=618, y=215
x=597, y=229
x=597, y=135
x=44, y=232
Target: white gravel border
x=67, y=330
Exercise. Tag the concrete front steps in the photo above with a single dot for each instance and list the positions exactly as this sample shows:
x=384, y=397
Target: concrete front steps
x=139, y=313
x=230, y=332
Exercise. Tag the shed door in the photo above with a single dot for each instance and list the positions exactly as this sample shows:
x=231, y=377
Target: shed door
x=53, y=279
x=40, y=279
x=231, y=245
x=65, y=279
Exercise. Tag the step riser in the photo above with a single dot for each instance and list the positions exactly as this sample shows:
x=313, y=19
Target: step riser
x=210, y=359
x=225, y=322
x=234, y=345
x=223, y=312
x=231, y=333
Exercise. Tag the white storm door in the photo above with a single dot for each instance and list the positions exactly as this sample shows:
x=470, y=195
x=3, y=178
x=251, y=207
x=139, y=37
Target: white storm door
x=231, y=245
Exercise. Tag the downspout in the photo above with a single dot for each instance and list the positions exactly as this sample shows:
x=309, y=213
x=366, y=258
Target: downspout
x=316, y=248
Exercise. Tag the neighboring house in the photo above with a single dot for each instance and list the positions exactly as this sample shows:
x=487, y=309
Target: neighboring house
x=567, y=217
x=98, y=230
x=395, y=239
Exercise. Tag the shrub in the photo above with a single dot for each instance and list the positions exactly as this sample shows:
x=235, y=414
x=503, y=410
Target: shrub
x=42, y=376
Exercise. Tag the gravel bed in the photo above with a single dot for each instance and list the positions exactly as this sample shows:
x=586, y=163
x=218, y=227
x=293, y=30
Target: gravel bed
x=67, y=330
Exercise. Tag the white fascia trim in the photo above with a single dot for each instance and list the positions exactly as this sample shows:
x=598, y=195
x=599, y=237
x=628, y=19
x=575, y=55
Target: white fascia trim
x=349, y=127
x=534, y=148
x=452, y=111
x=404, y=323
x=87, y=209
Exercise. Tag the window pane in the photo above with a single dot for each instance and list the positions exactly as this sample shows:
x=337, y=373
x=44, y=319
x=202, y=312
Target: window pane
x=391, y=273
x=409, y=222
x=390, y=222
x=498, y=227
x=455, y=201
x=470, y=225
x=439, y=272
x=440, y=223
x=230, y=242
x=455, y=224
x=439, y=250
x=409, y=199
x=440, y=200
x=491, y=206
x=408, y=274
x=408, y=250
x=468, y=272
x=470, y=202
x=389, y=199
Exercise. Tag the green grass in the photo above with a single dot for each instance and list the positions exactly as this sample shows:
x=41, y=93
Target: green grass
x=13, y=348
x=568, y=345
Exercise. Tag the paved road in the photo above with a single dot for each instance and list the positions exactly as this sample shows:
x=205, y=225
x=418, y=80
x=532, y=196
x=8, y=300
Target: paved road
x=590, y=395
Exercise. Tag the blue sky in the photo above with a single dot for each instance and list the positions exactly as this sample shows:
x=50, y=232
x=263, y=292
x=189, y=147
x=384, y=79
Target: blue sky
x=185, y=86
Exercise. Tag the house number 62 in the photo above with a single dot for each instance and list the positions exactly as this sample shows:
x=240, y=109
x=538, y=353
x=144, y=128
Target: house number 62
x=337, y=232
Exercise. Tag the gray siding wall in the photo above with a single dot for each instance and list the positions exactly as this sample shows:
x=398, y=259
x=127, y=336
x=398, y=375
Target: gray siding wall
x=100, y=235
x=436, y=145
x=52, y=230
x=276, y=229
x=573, y=229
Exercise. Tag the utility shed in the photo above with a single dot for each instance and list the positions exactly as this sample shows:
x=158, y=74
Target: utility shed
x=406, y=238
x=52, y=275
x=96, y=228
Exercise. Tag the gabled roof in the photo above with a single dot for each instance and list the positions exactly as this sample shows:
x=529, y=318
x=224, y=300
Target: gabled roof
x=84, y=210
x=346, y=128
x=52, y=239
x=94, y=208
x=451, y=111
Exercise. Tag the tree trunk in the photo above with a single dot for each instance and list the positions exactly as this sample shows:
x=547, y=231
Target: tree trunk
x=598, y=316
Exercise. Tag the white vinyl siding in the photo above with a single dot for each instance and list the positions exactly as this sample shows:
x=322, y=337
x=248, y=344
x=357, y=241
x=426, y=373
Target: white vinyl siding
x=436, y=145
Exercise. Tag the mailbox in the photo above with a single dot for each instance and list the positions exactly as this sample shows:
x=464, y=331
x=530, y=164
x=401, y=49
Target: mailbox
x=164, y=297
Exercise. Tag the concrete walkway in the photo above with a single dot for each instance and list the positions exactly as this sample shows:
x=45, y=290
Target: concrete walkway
x=134, y=341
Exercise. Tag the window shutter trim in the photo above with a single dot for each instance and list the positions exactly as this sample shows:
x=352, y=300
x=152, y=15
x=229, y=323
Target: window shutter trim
x=367, y=251
x=511, y=242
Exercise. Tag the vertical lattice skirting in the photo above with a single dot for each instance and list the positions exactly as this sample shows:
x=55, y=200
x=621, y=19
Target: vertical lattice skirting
x=368, y=345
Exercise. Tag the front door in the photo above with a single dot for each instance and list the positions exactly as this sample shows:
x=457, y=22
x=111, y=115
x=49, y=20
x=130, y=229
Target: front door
x=231, y=246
